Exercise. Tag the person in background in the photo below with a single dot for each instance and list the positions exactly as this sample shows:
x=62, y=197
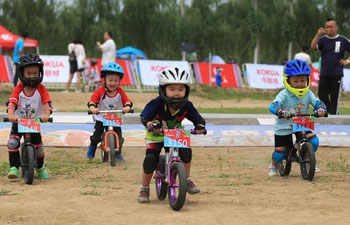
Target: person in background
x=302, y=55
x=108, y=48
x=332, y=47
x=17, y=54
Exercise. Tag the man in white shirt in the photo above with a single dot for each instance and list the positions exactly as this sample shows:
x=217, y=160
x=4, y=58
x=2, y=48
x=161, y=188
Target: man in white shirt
x=108, y=48
x=302, y=55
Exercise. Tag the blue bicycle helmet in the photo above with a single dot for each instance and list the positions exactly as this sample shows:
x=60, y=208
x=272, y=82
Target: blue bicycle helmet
x=296, y=67
x=112, y=68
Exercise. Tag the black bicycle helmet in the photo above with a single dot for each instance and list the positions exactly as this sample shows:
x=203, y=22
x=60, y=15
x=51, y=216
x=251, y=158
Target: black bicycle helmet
x=31, y=60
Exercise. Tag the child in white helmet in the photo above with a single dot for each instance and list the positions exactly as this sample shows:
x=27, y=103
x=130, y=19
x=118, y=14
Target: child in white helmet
x=167, y=111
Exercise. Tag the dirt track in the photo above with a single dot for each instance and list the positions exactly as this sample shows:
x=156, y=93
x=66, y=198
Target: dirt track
x=235, y=189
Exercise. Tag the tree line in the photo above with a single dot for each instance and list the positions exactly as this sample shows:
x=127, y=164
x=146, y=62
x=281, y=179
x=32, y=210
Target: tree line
x=160, y=27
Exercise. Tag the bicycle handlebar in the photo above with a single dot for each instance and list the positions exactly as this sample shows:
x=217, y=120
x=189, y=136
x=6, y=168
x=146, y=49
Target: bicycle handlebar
x=6, y=119
x=193, y=131
x=303, y=114
x=111, y=111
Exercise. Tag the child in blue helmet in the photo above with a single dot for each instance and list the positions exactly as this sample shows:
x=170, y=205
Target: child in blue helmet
x=295, y=98
x=108, y=97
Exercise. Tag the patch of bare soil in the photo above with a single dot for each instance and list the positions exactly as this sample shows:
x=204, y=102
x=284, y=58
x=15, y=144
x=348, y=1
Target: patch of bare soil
x=235, y=189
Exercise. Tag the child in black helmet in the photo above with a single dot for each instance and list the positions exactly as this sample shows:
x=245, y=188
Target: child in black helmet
x=29, y=99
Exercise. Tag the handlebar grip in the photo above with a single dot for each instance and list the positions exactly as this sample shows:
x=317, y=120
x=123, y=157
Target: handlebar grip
x=131, y=111
x=89, y=112
x=193, y=131
x=50, y=120
x=6, y=119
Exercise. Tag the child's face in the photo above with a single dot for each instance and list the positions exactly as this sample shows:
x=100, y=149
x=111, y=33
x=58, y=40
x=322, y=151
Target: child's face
x=112, y=81
x=31, y=72
x=175, y=91
x=298, y=81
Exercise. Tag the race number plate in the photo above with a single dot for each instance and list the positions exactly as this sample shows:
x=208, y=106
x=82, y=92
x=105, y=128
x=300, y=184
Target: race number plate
x=177, y=138
x=303, y=123
x=28, y=126
x=112, y=119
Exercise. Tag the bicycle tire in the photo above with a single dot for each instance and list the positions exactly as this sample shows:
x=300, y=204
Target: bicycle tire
x=177, y=191
x=111, y=145
x=307, y=167
x=284, y=167
x=161, y=185
x=28, y=164
x=104, y=156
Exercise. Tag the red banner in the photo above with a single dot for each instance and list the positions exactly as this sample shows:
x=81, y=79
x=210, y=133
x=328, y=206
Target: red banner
x=6, y=72
x=315, y=77
x=228, y=76
x=129, y=78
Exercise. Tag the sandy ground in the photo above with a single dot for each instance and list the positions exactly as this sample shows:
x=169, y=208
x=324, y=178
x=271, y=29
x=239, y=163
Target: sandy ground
x=235, y=189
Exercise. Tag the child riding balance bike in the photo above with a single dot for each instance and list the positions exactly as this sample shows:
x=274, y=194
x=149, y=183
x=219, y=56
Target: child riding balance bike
x=108, y=97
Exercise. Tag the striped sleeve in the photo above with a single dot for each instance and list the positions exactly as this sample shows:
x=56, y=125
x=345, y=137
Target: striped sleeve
x=123, y=95
x=15, y=94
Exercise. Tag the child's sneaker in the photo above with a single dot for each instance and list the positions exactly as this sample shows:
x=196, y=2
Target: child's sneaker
x=272, y=170
x=144, y=195
x=90, y=152
x=120, y=158
x=191, y=187
x=42, y=173
x=13, y=174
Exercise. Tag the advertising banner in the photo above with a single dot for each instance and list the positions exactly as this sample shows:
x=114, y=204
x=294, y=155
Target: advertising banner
x=150, y=70
x=265, y=76
x=346, y=80
x=6, y=69
x=56, y=70
x=226, y=71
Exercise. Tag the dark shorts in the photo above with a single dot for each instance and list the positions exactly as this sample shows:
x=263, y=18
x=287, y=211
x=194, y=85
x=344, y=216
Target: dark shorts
x=73, y=67
x=286, y=140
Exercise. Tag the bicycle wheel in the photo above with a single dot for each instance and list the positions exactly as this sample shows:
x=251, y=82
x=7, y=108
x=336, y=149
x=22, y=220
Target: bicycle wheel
x=177, y=186
x=161, y=185
x=104, y=156
x=111, y=144
x=307, y=161
x=28, y=164
x=284, y=167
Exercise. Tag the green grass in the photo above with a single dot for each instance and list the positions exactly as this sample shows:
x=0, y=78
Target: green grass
x=4, y=168
x=93, y=192
x=64, y=166
x=4, y=192
x=341, y=166
x=217, y=93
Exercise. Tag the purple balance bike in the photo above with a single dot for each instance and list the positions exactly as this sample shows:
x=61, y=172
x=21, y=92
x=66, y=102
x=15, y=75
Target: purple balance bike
x=170, y=175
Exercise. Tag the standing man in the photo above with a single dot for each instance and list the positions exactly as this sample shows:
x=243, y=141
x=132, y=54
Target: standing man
x=17, y=54
x=332, y=47
x=108, y=49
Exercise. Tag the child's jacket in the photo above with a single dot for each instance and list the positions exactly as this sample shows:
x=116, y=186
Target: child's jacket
x=285, y=100
x=106, y=102
x=156, y=110
x=33, y=104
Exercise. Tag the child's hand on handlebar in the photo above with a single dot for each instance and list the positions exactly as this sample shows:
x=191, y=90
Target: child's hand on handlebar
x=321, y=112
x=200, y=129
x=45, y=118
x=12, y=118
x=126, y=109
x=94, y=110
x=156, y=127
x=284, y=113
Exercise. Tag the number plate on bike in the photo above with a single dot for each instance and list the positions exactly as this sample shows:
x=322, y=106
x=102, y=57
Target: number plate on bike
x=303, y=123
x=28, y=126
x=112, y=119
x=177, y=138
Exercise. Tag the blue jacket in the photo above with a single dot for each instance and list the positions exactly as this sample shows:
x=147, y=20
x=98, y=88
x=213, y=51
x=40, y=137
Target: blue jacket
x=286, y=100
